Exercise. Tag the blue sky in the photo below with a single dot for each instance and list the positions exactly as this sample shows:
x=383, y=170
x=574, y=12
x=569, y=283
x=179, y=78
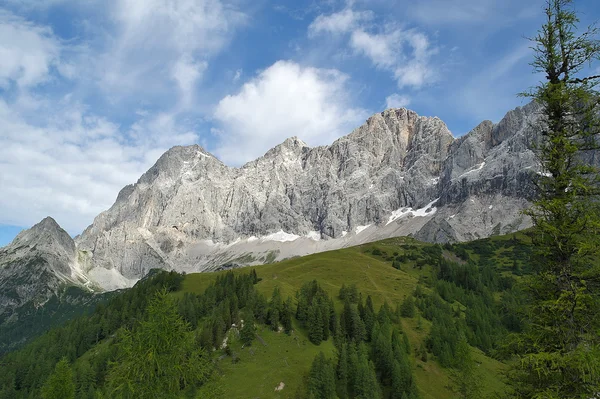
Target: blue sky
x=92, y=92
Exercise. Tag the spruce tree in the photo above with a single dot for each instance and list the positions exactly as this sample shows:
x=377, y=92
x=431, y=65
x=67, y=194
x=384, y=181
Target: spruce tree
x=365, y=382
x=248, y=331
x=342, y=372
x=559, y=351
x=286, y=316
x=407, y=309
x=315, y=324
x=321, y=379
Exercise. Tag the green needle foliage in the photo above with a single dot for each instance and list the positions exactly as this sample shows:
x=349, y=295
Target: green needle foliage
x=158, y=356
x=559, y=352
x=60, y=384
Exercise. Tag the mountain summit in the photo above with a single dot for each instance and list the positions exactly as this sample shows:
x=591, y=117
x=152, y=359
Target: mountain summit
x=397, y=174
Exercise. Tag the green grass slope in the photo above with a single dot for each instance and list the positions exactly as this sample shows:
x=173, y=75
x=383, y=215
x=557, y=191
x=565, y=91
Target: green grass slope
x=287, y=359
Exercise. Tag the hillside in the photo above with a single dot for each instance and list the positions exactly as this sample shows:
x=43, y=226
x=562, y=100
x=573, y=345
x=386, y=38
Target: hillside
x=469, y=283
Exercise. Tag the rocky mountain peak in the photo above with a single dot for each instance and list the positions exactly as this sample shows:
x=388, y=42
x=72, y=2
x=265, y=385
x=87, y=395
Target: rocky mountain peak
x=46, y=235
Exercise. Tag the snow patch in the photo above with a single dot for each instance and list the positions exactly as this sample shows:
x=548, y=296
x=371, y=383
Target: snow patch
x=344, y=233
x=314, y=235
x=359, y=229
x=490, y=207
x=280, y=236
x=252, y=238
x=427, y=210
x=481, y=165
x=397, y=214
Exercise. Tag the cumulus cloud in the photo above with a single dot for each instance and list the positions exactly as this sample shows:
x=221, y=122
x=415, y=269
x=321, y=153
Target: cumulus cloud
x=27, y=51
x=285, y=100
x=406, y=53
x=397, y=101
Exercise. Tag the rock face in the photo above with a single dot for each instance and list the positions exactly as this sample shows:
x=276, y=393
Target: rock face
x=397, y=174
x=36, y=265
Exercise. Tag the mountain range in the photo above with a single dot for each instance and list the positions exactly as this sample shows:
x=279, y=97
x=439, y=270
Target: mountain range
x=398, y=174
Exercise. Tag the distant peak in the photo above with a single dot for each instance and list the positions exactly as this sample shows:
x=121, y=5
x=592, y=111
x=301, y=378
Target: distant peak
x=47, y=223
x=294, y=141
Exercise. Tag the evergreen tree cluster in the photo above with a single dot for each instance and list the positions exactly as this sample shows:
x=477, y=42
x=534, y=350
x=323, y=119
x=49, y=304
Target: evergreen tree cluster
x=471, y=300
x=316, y=312
x=372, y=355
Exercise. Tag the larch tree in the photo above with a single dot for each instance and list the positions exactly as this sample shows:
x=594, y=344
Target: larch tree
x=60, y=384
x=559, y=351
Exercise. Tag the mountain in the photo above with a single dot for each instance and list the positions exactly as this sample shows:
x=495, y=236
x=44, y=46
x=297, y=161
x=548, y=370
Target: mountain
x=398, y=174
x=37, y=265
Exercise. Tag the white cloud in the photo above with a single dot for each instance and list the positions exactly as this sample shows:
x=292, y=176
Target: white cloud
x=27, y=51
x=397, y=101
x=186, y=73
x=381, y=49
x=71, y=165
x=405, y=53
x=154, y=36
x=285, y=100
x=341, y=22
x=59, y=158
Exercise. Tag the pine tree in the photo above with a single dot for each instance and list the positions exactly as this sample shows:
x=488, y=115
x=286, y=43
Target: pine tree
x=560, y=349
x=59, y=384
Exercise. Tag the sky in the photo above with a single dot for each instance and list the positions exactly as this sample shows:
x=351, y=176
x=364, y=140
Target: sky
x=92, y=92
